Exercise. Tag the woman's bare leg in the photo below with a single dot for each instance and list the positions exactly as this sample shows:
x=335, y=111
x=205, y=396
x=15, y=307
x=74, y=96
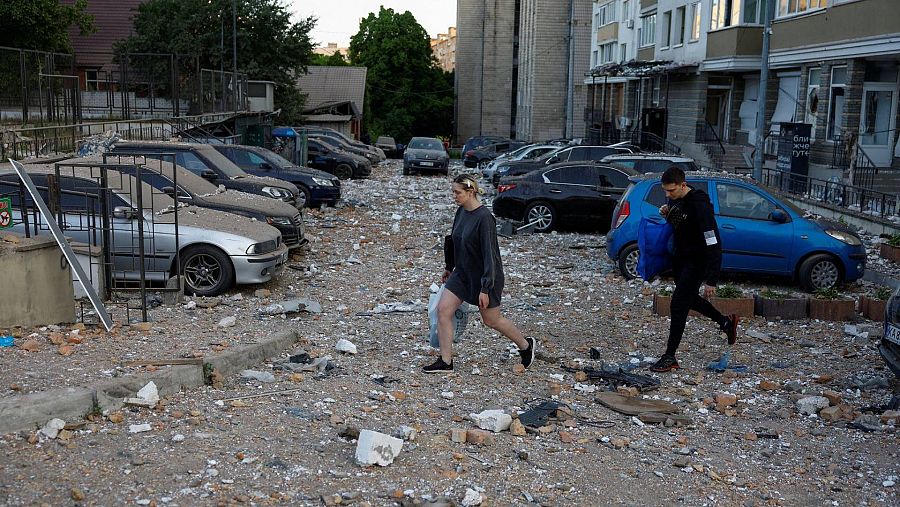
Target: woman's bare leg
x=495, y=320
x=447, y=306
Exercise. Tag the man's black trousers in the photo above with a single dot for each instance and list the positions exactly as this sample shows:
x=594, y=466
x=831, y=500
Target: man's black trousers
x=689, y=275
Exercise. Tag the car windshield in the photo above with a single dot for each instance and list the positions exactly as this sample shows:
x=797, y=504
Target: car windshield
x=426, y=144
x=549, y=154
x=275, y=159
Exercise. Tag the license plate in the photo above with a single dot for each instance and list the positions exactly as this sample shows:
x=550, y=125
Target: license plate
x=429, y=164
x=893, y=334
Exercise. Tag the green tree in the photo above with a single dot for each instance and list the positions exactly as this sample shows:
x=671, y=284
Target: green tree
x=407, y=94
x=333, y=60
x=269, y=46
x=42, y=24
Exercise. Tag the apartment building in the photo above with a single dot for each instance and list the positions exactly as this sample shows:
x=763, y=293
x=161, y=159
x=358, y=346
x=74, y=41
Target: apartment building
x=833, y=63
x=519, y=68
x=444, y=49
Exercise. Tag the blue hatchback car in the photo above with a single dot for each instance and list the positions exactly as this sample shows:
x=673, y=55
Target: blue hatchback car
x=760, y=233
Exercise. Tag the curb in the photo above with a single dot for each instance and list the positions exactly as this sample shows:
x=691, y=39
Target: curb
x=30, y=411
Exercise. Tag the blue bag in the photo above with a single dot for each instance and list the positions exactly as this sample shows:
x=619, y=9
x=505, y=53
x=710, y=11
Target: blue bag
x=653, y=243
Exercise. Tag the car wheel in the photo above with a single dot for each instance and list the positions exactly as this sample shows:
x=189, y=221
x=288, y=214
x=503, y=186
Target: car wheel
x=406, y=171
x=343, y=171
x=628, y=261
x=483, y=165
x=207, y=270
x=542, y=215
x=821, y=271
x=304, y=199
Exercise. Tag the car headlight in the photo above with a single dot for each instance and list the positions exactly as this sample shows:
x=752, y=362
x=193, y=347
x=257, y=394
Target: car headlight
x=322, y=182
x=278, y=221
x=261, y=248
x=844, y=237
x=278, y=193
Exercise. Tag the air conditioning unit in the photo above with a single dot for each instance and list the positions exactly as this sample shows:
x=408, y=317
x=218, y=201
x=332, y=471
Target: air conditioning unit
x=629, y=23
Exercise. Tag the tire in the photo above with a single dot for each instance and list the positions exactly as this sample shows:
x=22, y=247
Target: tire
x=820, y=271
x=406, y=171
x=207, y=270
x=304, y=196
x=628, y=259
x=543, y=213
x=343, y=171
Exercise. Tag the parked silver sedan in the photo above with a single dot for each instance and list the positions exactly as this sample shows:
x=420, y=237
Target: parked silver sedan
x=425, y=154
x=217, y=249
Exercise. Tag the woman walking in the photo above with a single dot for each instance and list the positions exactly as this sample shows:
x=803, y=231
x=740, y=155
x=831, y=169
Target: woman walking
x=474, y=274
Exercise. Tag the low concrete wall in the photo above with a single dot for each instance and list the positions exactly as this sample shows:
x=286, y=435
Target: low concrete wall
x=870, y=224
x=37, y=282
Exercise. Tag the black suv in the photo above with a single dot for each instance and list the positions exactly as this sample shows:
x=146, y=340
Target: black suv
x=204, y=161
x=339, y=163
x=316, y=187
x=480, y=156
x=569, y=154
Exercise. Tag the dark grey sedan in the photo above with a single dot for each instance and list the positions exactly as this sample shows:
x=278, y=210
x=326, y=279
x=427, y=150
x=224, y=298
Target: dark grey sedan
x=425, y=154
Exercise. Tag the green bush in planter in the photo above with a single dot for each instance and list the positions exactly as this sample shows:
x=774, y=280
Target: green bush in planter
x=883, y=293
x=729, y=292
x=894, y=240
x=665, y=291
x=771, y=294
x=829, y=293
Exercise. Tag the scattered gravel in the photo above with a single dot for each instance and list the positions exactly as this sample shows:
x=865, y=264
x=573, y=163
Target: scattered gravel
x=740, y=439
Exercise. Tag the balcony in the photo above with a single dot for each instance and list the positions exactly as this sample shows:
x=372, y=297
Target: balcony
x=846, y=22
x=734, y=41
x=608, y=32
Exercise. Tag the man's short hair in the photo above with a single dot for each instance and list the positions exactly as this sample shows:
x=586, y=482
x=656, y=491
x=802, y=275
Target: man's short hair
x=673, y=175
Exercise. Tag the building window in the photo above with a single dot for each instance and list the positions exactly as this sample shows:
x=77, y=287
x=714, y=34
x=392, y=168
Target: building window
x=648, y=30
x=678, y=38
x=789, y=7
x=753, y=12
x=812, y=99
x=91, y=80
x=722, y=14
x=695, y=21
x=607, y=13
x=607, y=52
x=594, y=58
x=657, y=81
x=666, y=29
x=623, y=52
x=836, y=103
x=624, y=10
x=786, y=107
x=596, y=20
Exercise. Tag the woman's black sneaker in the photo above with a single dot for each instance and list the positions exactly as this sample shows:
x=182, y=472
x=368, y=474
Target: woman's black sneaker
x=528, y=354
x=439, y=366
x=665, y=363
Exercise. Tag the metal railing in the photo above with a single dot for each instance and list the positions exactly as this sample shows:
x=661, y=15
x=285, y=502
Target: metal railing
x=713, y=143
x=834, y=193
x=653, y=142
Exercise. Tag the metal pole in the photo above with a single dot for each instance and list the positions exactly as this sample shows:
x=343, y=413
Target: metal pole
x=570, y=71
x=761, y=97
x=234, y=53
x=221, y=57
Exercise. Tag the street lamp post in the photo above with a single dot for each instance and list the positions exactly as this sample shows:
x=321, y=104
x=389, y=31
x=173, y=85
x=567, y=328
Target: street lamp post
x=234, y=81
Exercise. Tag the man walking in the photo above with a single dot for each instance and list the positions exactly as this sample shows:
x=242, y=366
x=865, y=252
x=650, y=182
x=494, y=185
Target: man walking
x=697, y=257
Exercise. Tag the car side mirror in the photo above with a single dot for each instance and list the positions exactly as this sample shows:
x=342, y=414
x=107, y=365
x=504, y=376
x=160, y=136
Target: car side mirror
x=208, y=174
x=169, y=191
x=124, y=212
x=778, y=216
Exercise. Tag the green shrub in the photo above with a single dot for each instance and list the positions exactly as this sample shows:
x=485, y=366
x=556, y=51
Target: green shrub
x=894, y=240
x=665, y=291
x=771, y=294
x=729, y=292
x=830, y=293
x=883, y=293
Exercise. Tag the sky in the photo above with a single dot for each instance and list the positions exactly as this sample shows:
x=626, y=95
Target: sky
x=339, y=19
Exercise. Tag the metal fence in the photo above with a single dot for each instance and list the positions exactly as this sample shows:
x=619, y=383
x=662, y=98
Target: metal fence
x=39, y=87
x=834, y=193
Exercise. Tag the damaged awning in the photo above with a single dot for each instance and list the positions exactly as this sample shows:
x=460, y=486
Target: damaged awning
x=638, y=68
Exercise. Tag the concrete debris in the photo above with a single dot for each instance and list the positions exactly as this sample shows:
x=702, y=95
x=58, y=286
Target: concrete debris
x=52, y=428
x=472, y=498
x=292, y=306
x=811, y=405
x=492, y=420
x=148, y=396
x=374, y=448
x=407, y=307
x=345, y=346
x=261, y=376
x=139, y=428
x=229, y=321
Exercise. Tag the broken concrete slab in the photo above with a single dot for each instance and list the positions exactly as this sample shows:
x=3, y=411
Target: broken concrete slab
x=374, y=448
x=492, y=420
x=635, y=406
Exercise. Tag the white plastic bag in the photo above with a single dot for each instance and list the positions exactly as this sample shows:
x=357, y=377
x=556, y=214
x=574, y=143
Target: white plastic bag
x=460, y=317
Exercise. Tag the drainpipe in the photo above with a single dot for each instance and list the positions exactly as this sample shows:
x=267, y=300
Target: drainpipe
x=570, y=74
x=761, y=98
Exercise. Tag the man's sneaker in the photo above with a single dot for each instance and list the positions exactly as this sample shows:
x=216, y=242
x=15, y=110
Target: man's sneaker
x=665, y=363
x=439, y=366
x=730, y=328
x=528, y=354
